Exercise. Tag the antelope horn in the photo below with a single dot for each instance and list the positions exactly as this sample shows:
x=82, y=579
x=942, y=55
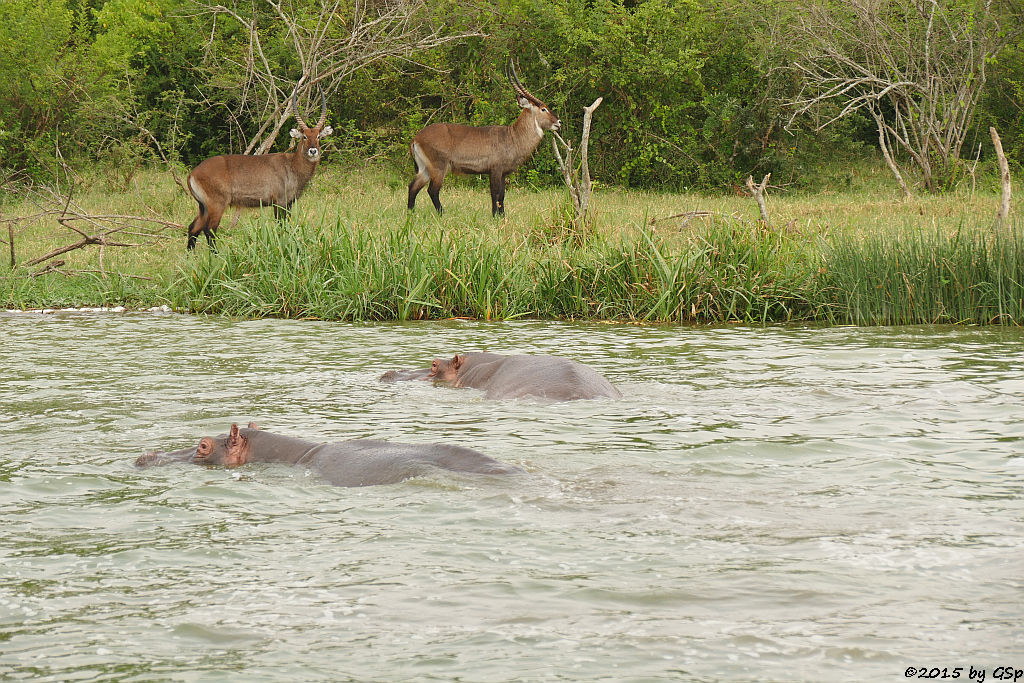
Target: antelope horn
x=518, y=87
x=323, y=107
x=508, y=75
x=295, y=110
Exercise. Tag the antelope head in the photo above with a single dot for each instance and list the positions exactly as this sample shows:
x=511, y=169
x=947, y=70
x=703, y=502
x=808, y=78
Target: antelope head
x=543, y=117
x=309, y=138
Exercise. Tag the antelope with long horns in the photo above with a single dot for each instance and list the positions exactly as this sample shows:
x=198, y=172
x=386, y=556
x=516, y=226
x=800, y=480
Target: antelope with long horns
x=255, y=181
x=495, y=151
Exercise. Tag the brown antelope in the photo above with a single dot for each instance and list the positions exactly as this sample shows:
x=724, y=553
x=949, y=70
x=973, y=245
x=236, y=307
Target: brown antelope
x=255, y=181
x=495, y=151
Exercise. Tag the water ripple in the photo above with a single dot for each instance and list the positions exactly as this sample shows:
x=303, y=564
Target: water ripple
x=782, y=503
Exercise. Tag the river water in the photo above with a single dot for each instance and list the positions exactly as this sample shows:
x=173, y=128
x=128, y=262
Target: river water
x=780, y=503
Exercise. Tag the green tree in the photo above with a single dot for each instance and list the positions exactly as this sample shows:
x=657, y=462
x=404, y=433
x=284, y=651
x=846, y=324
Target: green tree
x=39, y=81
x=1003, y=103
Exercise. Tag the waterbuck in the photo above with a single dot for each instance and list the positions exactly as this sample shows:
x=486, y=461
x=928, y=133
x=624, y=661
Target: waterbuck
x=254, y=181
x=495, y=151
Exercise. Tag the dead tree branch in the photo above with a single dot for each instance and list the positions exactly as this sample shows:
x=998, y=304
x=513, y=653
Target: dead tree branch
x=1003, y=214
x=917, y=66
x=688, y=216
x=758, y=193
x=331, y=39
x=577, y=181
x=54, y=267
x=104, y=227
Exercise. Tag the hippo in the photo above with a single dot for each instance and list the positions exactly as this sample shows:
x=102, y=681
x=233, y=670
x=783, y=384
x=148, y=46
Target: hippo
x=547, y=377
x=360, y=462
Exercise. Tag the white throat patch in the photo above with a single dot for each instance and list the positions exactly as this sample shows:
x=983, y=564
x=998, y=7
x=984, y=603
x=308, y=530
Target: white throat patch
x=540, y=131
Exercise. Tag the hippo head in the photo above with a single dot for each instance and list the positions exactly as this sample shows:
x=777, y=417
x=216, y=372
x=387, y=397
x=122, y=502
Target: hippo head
x=446, y=370
x=230, y=451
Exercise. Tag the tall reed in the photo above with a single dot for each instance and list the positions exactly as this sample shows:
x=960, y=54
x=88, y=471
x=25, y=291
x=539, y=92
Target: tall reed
x=356, y=268
x=924, y=277
x=409, y=271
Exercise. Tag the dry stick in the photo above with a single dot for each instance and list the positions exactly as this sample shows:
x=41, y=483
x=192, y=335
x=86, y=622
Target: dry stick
x=973, y=168
x=106, y=224
x=758, y=192
x=103, y=272
x=697, y=213
x=101, y=238
x=588, y=113
x=566, y=166
x=687, y=216
x=1004, y=175
x=50, y=268
x=578, y=189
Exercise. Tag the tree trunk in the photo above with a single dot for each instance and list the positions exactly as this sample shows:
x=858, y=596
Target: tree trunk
x=1004, y=175
x=888, y=156
x=584, y=192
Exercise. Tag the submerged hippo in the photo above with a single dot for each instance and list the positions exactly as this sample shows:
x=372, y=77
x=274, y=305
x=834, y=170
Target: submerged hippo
x=361, y=462
x=549, y=377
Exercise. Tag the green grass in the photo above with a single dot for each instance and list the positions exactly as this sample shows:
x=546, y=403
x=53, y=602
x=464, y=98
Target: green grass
x=926, y=277
x=415, y=271
x=351, y=251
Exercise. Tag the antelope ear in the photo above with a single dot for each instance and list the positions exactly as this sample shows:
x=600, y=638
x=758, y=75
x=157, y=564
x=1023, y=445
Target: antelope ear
x=523, y=102
x=326, y=131
x=295, y=133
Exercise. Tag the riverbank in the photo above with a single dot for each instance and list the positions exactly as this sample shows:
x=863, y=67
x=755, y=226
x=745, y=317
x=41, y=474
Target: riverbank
x=850, y=254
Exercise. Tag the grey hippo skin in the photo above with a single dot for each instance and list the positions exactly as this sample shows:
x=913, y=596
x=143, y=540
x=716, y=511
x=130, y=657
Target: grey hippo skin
x=361, y=462
x=499, y=376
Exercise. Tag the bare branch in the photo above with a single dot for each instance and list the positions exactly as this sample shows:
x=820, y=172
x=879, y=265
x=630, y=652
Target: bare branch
x=578, y=182
x=918, y=66
x=757, y=191
x=106, y=228
x=330, y=44
x=1004, y=176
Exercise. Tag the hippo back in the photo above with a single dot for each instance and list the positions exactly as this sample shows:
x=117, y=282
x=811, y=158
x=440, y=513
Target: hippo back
x=478, y=369
x=366, y=462
x=546, y=377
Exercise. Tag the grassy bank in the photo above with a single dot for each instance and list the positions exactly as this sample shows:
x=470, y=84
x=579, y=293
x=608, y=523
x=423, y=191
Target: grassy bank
x=849, y=254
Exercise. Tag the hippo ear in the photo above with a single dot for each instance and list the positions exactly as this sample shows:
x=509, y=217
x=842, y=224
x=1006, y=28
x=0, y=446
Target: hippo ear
x=253, y=425
x=457, y=361
x=237, y=451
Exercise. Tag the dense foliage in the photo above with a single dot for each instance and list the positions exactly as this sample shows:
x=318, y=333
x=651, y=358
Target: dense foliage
x=695, y=93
